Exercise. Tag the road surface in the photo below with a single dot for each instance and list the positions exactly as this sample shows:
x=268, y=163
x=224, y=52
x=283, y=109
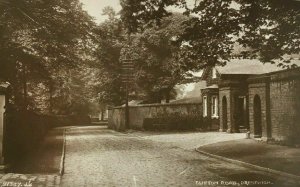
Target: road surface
x=96, y=156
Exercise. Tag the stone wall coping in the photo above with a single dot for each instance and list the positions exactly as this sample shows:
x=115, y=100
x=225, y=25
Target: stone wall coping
x=156, y=105
x=275, y=76
x=259, y=79
x=285, y=74
x=284, y=71
x=231, y=83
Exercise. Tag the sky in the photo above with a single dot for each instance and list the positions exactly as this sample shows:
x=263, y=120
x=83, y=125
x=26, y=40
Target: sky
x=95, y=7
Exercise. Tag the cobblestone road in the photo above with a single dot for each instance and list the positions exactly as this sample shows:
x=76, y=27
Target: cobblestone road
x=96, y=156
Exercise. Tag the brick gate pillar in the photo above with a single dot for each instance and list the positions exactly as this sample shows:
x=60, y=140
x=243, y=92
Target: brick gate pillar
x=3, y=102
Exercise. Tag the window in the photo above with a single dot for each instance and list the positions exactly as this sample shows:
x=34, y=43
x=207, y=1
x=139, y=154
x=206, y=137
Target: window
x=214, y=106
x=204, y=106
x=214, y=73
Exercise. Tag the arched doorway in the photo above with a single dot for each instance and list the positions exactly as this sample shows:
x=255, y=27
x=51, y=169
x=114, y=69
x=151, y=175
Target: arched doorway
x=224, y=113
x=257, y=117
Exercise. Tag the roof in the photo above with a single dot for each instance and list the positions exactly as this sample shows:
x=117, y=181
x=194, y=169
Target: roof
x=250, y=66
x=188, y=100
x=134, y=103
x=212, y=86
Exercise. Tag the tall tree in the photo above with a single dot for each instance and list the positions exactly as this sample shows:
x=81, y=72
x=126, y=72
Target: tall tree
x=38, y=39
x=110, y=40
x=158, y=68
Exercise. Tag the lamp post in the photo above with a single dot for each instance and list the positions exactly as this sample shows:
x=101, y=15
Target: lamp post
x=127, y=78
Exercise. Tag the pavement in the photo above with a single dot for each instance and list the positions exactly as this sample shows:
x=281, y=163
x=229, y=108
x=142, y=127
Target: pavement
x=41, y=167
x=276, y=157
x=100, y=123
x=97, y=156
x=44, y=159
x=29, y=180
x=188, y=140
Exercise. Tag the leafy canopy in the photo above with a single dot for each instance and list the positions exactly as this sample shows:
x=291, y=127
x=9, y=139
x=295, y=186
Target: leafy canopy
x=41, y=44
x=264, y=29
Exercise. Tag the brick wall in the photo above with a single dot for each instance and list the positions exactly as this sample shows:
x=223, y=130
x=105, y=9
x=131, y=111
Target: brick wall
x=234, y=118
x=139, y=114
x=285, y=106
x=258, y=89
x=225, y=93
x=2, y=110
x=279, y=93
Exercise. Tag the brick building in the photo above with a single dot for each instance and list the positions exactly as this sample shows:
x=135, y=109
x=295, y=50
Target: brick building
x=249, y=95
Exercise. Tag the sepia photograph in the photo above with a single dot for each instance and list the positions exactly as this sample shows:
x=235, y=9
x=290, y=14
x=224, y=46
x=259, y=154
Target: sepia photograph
x=149, y=93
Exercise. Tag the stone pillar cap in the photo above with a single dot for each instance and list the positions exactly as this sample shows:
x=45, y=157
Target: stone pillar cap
x=4, y=86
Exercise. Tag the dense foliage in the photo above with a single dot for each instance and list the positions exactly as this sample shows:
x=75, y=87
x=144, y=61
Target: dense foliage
x=264, y=29
x=58, y=60
x=43, y=46
x=154, y=53
x=155, y=56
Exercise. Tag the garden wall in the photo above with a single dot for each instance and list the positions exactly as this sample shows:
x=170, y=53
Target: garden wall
x=157, y=117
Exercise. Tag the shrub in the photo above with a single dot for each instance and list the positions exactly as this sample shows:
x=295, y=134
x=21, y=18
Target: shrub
x=175, y=121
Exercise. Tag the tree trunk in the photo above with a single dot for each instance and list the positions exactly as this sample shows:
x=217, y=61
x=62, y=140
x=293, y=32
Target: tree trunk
x=102, y=114
x=167, y=96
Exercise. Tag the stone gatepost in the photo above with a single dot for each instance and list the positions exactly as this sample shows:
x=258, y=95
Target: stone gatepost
x=3, y=102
